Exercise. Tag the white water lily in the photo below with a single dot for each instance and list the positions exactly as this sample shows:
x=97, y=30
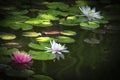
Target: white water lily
x=57, y=49
x=90, y=13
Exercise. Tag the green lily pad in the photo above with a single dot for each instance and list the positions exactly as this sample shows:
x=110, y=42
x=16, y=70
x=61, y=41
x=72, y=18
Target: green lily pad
x=44, y=39
x=67, y=22
x=68, y=33
x=72, y=21
x=89, y=25
x=39, y=22
x=54, y=12
x=40, y=46
x=7, y=36
x=16, y=22
x=73, y=10
x=5, y=51
x=31, y=34
x=39, y=55
x=22, y=73
x=64, y=39
x=57, y=5
x=42, y=77
x=47, y=17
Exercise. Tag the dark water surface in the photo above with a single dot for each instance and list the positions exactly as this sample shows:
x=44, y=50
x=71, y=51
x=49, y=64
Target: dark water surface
x=84, y=62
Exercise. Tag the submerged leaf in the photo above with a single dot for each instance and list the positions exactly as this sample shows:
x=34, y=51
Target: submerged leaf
x=42, y=77
x=91, y=41
x=22, y=73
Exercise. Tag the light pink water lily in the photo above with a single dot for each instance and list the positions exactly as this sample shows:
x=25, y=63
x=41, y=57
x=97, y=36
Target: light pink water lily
x=90, y=13
x=21, y=57
x=57, y=48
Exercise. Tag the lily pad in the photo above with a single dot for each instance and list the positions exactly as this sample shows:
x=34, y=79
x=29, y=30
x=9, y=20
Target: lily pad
x=39, y=55
x=7, y=36
x=31, y=34
x=40, y=46
x=68, y=22
x=47, y=17
x=57, y=5
x=16, y=73
x=42, y=77
x=73, y=10
x=68, y=33
x=64, y=39
x=54, y=12
x=89, y=25
x=6, y=51
x=16, y=22
x=51, y=32
x=44, y=39
x=91, y=41
x=39, y=22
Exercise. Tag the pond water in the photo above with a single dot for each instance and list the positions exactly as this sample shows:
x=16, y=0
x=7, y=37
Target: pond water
x=93, y=54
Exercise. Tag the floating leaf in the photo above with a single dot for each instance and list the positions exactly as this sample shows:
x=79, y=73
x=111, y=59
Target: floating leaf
x=31, y=34
x=73, y=10
x=39, y=22
x=7, y=36
x=39, y=55
x=72, y=21
x=54, y=12
x=40, y=46
x=42, y=77
x=68, y=33
x=51, y=32
x=89, y=25
x=5, y=51
x=68, y=22
x=22, y=73
x=47, y=17
x=44, y=39
x=16, y=22
x=57, y=5
x=64, y=39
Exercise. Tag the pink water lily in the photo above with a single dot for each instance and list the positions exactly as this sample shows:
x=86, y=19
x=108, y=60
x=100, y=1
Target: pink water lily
x=21, y=57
